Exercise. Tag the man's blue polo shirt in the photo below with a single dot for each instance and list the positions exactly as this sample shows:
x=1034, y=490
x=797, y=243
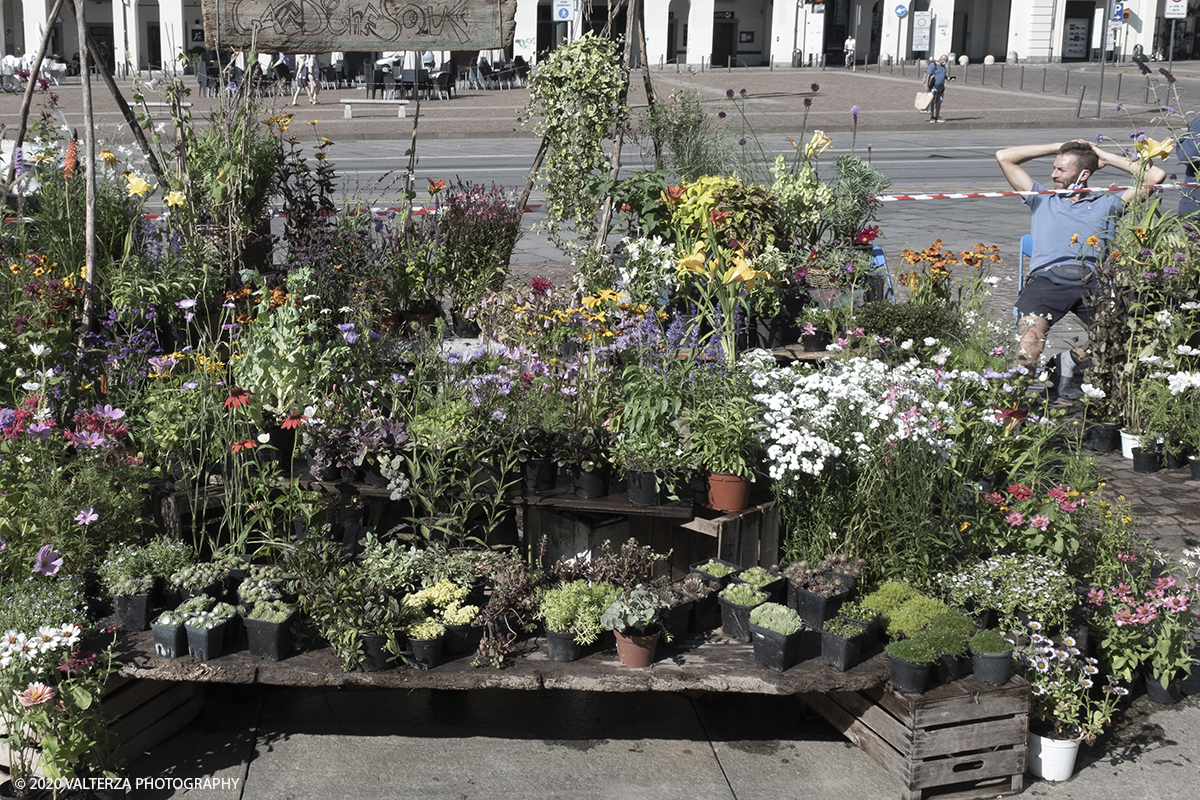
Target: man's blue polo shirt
x=1057, y=221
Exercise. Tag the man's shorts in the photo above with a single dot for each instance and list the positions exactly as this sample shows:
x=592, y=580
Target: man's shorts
x=938, y=92
x=1054, y=301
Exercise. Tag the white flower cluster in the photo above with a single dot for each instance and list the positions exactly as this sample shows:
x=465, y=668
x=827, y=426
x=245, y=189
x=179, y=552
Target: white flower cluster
x=849, y=410
x=648, y=263
x=16, y=646
x=1180, y=382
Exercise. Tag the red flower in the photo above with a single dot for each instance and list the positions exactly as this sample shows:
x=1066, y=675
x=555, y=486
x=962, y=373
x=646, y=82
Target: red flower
x=867, y=235
x=993, y=499
x=237, y=397
x=541, y=286
x=293, y=421
x=245, y=444
x=1020, y=492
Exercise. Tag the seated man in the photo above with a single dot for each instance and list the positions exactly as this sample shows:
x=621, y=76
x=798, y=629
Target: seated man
x=1071, y=231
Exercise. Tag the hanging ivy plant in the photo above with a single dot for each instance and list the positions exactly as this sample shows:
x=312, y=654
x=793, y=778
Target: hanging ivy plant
x=577, y=97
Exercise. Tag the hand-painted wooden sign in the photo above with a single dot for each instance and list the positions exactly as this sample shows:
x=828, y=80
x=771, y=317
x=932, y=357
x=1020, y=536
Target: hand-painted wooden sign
x=322, y=26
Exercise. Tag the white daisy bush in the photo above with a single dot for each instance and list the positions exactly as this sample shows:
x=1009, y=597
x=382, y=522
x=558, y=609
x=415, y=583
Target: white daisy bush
x=50, y=689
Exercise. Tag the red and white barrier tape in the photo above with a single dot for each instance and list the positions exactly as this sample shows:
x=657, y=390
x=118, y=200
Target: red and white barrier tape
x=889, y=198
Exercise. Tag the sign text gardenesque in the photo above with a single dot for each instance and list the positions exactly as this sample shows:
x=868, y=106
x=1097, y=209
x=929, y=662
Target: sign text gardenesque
x=321, y=26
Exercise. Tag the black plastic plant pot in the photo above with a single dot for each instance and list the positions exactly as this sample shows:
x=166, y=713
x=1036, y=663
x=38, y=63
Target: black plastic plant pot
x=271, y=641
x=1157, y=694
x=1146, y=461
x=170, y=641
x=813, y=608
x=643, y=488
x=590, y=484
x=993, y=668
x=233, y=631
x=849, y=583
x=461, y=639
x=870, y=631
x=841, y=652
x=427, y=653
x=206, y=643
x=735, y=620
x=907, y=677
x=541, y=474
x=1195, y=468
x=562, y=647
x=775, y=650
x=776, y=590
x=706, y=614
x=677, y=619
x=375, y=657
x=724, y=580
x=132, y=612
x=1102, y=437
x=950, y=668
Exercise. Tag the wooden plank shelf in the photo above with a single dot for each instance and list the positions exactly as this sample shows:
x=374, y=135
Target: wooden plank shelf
x=711, y=663
x=962, y=740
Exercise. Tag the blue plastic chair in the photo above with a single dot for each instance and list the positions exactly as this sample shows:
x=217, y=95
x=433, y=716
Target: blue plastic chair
x=879, y=264
x=1026, y=252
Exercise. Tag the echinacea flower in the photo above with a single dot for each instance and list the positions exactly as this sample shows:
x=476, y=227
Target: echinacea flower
x=293, y=421
x=48, y=561
x=245, y=444
x=237, y=397
x=35, y=694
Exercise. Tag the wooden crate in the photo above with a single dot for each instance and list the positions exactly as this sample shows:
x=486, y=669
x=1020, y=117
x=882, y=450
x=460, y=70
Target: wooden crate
x=747, y=538
x=964, y=739
x=144, y=714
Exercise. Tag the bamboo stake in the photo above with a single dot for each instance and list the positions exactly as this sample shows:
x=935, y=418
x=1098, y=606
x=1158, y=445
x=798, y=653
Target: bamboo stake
x=533, y=170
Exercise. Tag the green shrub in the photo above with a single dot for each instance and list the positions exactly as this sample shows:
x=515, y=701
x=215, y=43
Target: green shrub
x=914, y=651
x=887, y=598
x=955, y=621
x=914, y=616
x=990, y=642
x=840, y=627
x=944, y=641
x=915, y=321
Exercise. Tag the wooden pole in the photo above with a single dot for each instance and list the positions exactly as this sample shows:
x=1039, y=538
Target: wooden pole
x=89, y=162
x=533, y=169
x=27, y=100
x=651, y=100
x=130, y=118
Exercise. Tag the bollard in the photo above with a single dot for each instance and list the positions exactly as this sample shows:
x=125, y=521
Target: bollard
x=1022, y=86
x=1067, y=82
x=1079, y=105
x=1001, y=75
x=1119, y=76
x=1043, y=80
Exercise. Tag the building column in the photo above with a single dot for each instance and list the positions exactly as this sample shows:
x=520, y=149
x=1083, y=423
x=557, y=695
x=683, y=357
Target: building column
x=34, y=28
x=173, y=30
x=125, y=36
x=700, y=33
x=525, y=33
x=654, y=20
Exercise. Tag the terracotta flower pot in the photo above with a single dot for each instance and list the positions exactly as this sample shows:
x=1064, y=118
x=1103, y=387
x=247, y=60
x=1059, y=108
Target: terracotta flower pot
x=728, y=492
x=637, y=651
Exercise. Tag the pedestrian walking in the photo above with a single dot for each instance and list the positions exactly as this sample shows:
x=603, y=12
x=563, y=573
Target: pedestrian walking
x=935, y=81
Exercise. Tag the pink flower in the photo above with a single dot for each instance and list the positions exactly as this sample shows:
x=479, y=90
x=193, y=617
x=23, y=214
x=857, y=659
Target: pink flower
x=809, y=329
x=1096, y=597
x=35, y=694
x=1165, y=582
x=1068, y=505
x=1175, y=604
x=1040, y=521
x=1015, y=518
x=1128, y=558
x=48, y=562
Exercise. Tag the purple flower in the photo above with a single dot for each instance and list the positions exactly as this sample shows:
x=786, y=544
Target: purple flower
x=190, y=385
x=39, y=430
x=348, y=333
x=89, y=440
x=854, y=113
x=3, y=545
x=808, y=102
x=1170, y=110
x=742, y=92
x=1178, y=256
x=720, y=115
x=108, y=412
x=86, y=516
x=1119, y=107
x=742, y=142
x=1099, y=138
x=1167, y=74
x=816, y=87
x=186, y=304
x=729, y=93
x=48, y=561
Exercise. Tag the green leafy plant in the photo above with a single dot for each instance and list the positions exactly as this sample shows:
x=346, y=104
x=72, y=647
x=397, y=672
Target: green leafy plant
x=913, y=616
x=989, y=642
x=914, y=651
x=743, y=594
x=945, y=641
x=576, y=608
x=840, y=627
x=636, y=612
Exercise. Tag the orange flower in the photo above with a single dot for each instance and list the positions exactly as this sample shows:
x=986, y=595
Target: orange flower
x=435, y=186
x=293, y=421
x=237, y=397
x=245, y=444
x=673, y=194
x=717, y=217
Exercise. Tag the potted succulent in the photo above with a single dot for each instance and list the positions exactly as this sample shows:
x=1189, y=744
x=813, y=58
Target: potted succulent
x=268, y=629
x=991, y=656
x=887, y=598
x=706, y=613
x=206, y=630
x=776, y=630
x=128, y=574
x=858, y=614
x=571, y=613
x=737, y=601
x=197, y=579
x=131, y=600
x=170, y=640
x=909, y=661
x=841, y=644
x=913, y=616
x=763, y=579
x=635, y=618
x=815, y=593
x=716, y=569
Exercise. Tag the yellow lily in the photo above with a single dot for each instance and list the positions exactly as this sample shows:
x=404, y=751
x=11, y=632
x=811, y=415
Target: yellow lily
x=693, y=261
x=818, y=144
x=137, y=185
x=742, y=272
x=175, y=198
x=1150, y=149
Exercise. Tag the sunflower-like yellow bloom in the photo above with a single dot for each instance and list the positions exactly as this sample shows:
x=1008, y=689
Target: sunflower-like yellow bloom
x=1151, y=149
x=137, y=185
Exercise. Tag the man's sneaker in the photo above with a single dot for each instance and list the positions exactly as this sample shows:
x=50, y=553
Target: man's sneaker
x=932, y=120
x=939, y=119
x=1071, y=387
